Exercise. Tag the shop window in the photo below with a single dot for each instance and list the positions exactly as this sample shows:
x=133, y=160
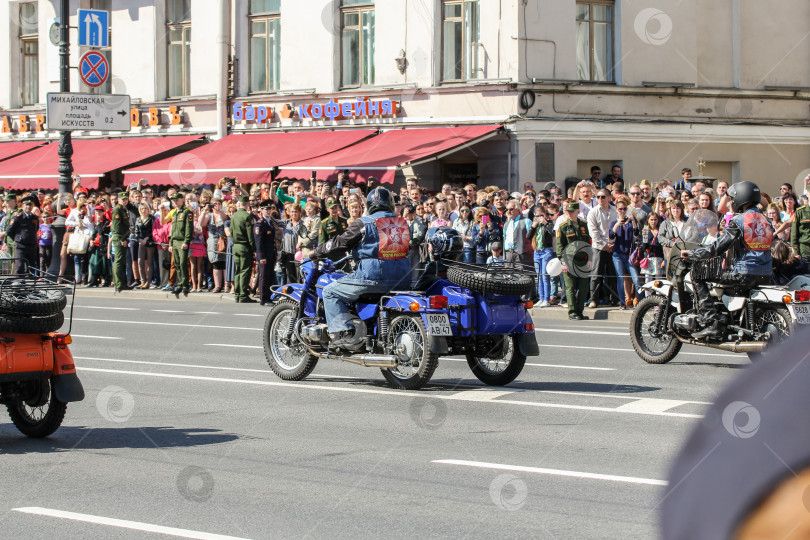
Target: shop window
x=595, y=41
x=178, y=28
x=29, y=53
x=106, y=88
x=461, y=34
x=357, y=43
x=265, y=45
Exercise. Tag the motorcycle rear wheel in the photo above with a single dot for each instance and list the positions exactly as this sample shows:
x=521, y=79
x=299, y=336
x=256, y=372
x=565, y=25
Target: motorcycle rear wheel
x=777, y=316
x=38, y=419
x=408, y=337
x=290, y=362
x=651, y=349
x=498, y=371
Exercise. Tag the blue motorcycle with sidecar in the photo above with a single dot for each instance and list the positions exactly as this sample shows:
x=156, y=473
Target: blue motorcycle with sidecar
x=480, y=312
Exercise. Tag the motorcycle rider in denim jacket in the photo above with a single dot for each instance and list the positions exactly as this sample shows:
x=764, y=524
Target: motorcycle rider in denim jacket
x=379, y=243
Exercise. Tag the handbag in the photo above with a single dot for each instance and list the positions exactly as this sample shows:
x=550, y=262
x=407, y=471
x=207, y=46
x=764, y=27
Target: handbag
x=635, y=256
x=222, y=244
x=78, y=243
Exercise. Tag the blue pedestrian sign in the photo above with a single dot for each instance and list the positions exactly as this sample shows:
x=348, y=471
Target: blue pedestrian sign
x=93, y=69
x=94, y=27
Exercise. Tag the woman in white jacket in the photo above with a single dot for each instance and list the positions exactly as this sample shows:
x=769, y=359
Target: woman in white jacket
x=79, y=221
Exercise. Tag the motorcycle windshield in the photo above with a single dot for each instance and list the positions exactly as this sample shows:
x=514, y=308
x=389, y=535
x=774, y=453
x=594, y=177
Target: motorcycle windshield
x=700, y=225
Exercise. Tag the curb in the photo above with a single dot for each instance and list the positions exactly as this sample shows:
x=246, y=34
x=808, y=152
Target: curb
x=596, y=314
x=156, y=294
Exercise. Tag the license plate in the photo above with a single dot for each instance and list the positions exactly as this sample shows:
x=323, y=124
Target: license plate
x=802, y=312
x=438, y=324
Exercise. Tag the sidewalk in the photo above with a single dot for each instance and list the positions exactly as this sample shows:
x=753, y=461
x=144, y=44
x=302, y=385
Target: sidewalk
x=549, y=313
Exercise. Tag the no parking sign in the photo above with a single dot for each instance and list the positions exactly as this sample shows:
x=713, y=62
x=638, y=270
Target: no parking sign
x=94, y=69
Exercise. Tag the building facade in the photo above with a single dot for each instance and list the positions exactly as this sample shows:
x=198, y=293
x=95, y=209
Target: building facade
x=651, y=85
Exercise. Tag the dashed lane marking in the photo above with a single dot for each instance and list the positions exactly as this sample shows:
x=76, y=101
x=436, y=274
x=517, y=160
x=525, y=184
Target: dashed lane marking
x=94, y=337
x=123, y=524
x=553, y=472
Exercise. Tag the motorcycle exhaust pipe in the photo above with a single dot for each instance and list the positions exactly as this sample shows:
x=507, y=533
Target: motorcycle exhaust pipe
x=365, y=360
x=745, y=347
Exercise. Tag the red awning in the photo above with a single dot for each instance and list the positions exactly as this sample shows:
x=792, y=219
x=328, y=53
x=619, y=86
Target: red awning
x=248, y=157
x=383, y=155
x=11, y=149
x=92, y=158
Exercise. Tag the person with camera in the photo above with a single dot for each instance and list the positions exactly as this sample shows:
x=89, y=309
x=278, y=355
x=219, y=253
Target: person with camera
x=748, y=236
x=543, y=243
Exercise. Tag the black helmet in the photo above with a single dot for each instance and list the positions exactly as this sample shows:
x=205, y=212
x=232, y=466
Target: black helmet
x=743, y=196
x=446, y=242
x=380, y=200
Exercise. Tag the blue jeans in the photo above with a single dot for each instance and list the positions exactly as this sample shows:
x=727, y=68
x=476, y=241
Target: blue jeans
x=557, y=290
x=541, y=258
x=468, y=256
x=623, y=268
x=338, y=294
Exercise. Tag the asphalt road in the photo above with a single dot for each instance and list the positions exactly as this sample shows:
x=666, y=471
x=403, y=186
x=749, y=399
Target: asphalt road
x=186, y=431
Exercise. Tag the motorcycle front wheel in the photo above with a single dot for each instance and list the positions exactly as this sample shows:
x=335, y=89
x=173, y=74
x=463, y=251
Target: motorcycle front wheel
x=776, y=316
x=408, y=339
x=501, y=370
x=289, y=359
x=651, y=347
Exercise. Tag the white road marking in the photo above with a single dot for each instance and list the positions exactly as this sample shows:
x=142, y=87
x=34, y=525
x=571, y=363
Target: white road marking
x=232, y=345
x=167, y=311
x=652, y=405
x=627, y=350
x=618, y=396
x=444, y=359
x=205, y=312
x=554, y=472
x=124, y=524
x=248, y=314
x=306, y=386
x=95, y=337
x=151, y=323
x=144, y=362
x=589, y=332
x=480, y=394
x=105, y=307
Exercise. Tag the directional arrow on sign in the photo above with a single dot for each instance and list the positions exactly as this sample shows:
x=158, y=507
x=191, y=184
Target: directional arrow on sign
x=122, y=113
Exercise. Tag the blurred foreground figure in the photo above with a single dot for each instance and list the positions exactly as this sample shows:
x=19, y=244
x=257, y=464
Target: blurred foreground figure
x=745, y=471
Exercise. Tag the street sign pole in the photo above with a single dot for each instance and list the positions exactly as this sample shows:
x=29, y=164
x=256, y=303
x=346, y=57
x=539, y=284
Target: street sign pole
x=65, y=150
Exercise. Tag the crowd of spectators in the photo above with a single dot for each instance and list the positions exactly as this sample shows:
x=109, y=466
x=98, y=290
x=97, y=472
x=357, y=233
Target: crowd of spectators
x=632, y=227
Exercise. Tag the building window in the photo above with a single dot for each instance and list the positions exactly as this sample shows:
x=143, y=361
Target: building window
x=106, y=88
x=29, y=53
x=178, y=27
x=595, y=41
x=265, y=45
x=461, y=34
x=357, y=46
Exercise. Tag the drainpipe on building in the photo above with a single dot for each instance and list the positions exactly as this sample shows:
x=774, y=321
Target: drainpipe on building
x=222, y=68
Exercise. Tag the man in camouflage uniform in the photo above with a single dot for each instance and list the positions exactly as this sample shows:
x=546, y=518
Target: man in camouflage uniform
x=573, y=234
x=120, y=238
x=180, y=240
